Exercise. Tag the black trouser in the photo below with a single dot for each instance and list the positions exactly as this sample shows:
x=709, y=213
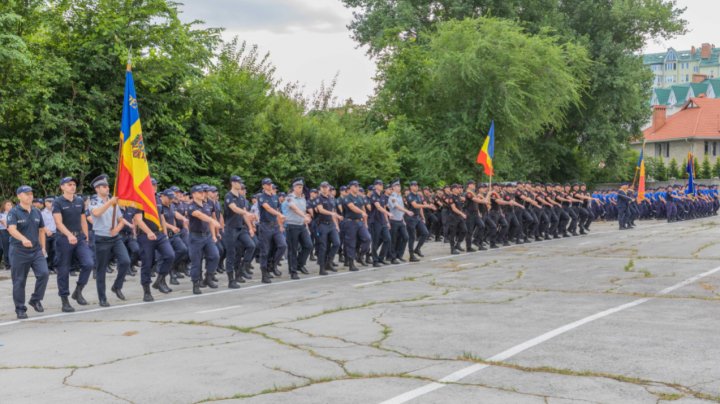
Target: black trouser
x=133, y=248
x=572, y=227
x=380, y=234
x=474, y=223
x=299, y=246
x=50, y=249
x=269, y=235
x=515, y=230
x=147, y=251
x=239, y=247
x=416, y=230
x=456, y=230
x=329, y=242
x=563, y=219
x=553, y=220
x=501, y=225
x=543, y=223
x=399, y=237
x=491, y=229
x=433, y=222
x=529, y=222
x=105, y=249
x=181, y=249
x=5, y=247
x=22, y=259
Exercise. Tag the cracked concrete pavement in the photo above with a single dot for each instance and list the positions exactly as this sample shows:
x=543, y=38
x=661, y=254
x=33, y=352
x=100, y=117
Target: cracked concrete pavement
x=374, y=335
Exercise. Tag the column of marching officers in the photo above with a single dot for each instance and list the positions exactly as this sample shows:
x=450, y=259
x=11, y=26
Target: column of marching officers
x=201, y=235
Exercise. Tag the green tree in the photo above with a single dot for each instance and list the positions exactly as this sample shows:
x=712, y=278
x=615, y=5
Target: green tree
x=706, y=169
x=595, y=131
x=660, y=172
x=442, y=96
x=673, y=170
x=716, y=168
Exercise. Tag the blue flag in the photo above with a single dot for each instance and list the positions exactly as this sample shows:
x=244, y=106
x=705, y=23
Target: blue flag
x=690, y=169
x=642, y=151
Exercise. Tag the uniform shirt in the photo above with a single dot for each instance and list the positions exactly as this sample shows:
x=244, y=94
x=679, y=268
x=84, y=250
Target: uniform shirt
x=395, y=203
x=328, y=203
x=103, y=223
x=341, y=208
x=413, y=197
x=180, y=207
x=49, y=221
x=292, y=217
x=127, y=214
x=375, y=215
x=471, y=207
x=355, y=200
x=273, y=202
x=168, y=212
x=149, y=223
x=3, y=217
x=216, y=209
x=70, y=211
x=197, y=225
x=232, y=219
x=28, y=224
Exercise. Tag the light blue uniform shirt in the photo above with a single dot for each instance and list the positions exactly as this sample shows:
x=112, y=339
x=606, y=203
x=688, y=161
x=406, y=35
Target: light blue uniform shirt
x=102, y=224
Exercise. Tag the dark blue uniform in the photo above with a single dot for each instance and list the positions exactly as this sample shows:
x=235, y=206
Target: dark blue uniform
x=239, y=246
x=176, y=239
x=201, y=243
x=415, y=225
x=22, y=258
x=327, y=233
x=72, y=213
x=379, y=228
x=269, y=232
x=355, y=228
x=148, y=248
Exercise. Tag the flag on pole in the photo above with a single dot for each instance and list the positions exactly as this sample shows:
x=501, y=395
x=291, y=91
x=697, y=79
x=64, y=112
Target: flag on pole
x=641, y=181
x=133, y=178
x=640, y=159
x=690, y=169
x=487, y=151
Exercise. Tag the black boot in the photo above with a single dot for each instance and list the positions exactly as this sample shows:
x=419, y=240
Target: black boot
x=265, y=276
x=361, y=262
x=239, y=276
x=352, y=266
x=413, y=258
x=160, y=284
x=324, y=269
x=418, y=253
x=232, y=284
x=275, y=271
x=118, y=293
x=209, y=282
x=246, y=272
x=174, y=278
x=196, y=288
x=66, y=307
x=77, y=295
x=147, y=296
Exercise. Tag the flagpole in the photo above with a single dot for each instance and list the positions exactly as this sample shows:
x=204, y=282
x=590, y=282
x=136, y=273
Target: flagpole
x=119, y=155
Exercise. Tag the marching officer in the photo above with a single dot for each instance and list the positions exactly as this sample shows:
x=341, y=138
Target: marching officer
x=416, y=222
x=108, y=243
x=203, y=240
x=354, y=226
x=72, y=241
x=270, y=231
x=298, y=237
x=27, y=250
x=328, y=229
x=239, y=233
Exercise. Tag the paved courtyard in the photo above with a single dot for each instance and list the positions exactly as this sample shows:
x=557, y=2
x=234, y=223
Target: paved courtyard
x=612, y=317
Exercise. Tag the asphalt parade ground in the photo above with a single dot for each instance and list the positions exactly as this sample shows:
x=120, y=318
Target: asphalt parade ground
x=611, y=317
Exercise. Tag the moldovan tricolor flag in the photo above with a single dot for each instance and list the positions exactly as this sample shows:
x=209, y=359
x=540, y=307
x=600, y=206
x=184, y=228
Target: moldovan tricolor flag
x=641, y=181
x=487, y=151
x=133, y=179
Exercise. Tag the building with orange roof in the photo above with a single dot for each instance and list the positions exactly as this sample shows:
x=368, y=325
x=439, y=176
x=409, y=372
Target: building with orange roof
x=694, y=128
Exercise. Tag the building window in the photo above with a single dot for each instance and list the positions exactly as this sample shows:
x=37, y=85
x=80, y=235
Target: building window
x=714, y=148
x=667, y=149
x=670, y=66
x=707, y=147
x=696, y=69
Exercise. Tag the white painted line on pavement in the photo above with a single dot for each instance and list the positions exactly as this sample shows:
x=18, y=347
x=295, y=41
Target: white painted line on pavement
x=508, y=353
x=180, y=298
x=366, y=284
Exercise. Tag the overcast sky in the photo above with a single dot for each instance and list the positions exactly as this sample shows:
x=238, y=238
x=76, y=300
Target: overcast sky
x=308, y=40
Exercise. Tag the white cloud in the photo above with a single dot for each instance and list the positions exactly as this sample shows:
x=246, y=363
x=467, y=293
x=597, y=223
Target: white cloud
x=307, y=39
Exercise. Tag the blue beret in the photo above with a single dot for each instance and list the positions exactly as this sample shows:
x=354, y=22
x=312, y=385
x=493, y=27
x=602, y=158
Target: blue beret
x=197, y=188
x=266, y=181
x=168, y=193
x=354, y=183
x=343, y=188
x=236, y=178
x=378, y=182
